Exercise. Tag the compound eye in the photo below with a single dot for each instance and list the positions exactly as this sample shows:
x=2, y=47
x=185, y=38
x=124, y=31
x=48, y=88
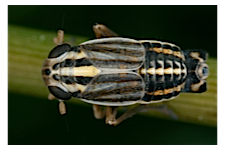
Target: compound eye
x=59, y=50
x=59, y=93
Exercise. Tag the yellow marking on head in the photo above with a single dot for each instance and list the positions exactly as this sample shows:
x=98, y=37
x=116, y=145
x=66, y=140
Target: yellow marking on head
x=151, y=71
x=167, y=51
x=65, y=71
x=196, y=55
x=196, y=87
x=80, y=55
x=71, y=55
x=168, y=70
x=85, y=71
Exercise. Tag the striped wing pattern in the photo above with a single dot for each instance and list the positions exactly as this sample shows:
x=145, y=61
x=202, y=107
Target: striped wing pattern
x=114, y=53
x=115, y=87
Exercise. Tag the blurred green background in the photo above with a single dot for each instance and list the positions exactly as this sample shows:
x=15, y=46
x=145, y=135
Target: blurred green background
x=32, y=119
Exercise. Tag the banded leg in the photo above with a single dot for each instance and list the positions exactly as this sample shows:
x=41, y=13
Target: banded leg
x=101, y=31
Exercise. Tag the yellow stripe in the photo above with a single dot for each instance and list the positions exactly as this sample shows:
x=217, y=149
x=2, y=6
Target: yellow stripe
x=177, y=53
x=158, y=50
x=196, y=55
x=158, y=92
x=81, y=87
x=159, y=71
x=81, y=55
x=196, y=87
x=74, y=87
x=167, y=91
x=167, y=51
x=177, y=71
x=85, y=71
x=71, y=55
x=168, y=71
x=151, y=71
x=143, y=71
x=177, y=88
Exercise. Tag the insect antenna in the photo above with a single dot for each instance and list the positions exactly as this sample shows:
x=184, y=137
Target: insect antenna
x=63, y=20
x=66, y=123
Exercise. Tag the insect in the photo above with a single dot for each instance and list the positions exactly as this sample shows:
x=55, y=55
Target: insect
x=113, y=71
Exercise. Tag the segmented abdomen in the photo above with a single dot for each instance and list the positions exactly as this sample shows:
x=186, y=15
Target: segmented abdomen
x=164, y=71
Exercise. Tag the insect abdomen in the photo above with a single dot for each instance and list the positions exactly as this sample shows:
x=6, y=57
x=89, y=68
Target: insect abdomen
x=164, y=70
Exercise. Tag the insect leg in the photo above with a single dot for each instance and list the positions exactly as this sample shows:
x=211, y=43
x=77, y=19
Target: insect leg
x=101, y=31
x=99, y=113
x=62, y=107
x=111, y=112
x=50, y=96
x=128, y=114
x=143, y=107
x=164, y=109
x=60, y=37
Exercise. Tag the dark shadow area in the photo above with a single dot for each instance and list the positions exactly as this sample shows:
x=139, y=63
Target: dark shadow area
x=191, y=27
x=34, y=120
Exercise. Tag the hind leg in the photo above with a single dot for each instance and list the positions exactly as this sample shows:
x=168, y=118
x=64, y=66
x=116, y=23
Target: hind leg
x=101, y=31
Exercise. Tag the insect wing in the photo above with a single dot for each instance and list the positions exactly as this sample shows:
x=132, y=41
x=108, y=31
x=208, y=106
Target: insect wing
x=115, y=88
x=114, y=53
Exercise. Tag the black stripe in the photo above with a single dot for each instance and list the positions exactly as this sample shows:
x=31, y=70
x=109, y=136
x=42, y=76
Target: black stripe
x=124, y=51
x=83, y=80
x=68, y=79
x=68, y=63
x=125, y=77
x=82, y=62
x=156, y=45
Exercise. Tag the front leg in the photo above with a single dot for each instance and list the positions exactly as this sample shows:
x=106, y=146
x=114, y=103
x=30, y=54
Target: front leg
x=60, y=38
